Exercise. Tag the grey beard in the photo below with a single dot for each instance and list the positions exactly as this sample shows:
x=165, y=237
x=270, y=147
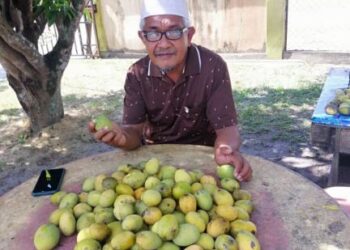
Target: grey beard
x=166, y=70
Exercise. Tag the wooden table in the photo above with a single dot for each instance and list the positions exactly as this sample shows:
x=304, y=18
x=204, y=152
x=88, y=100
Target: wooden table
x=333, y=132
x=290, y=211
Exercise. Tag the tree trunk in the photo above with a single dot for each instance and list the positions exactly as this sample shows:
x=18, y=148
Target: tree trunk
x=42, y=107
x=36, y=78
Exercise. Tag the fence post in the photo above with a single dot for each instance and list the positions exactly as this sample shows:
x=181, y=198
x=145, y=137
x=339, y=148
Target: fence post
x=100, y=30
x=276, y=28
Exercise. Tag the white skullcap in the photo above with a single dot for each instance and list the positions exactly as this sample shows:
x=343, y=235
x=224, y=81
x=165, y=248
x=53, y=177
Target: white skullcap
x=164, y=7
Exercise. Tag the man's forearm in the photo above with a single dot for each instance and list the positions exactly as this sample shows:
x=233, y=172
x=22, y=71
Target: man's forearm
x=228, y=136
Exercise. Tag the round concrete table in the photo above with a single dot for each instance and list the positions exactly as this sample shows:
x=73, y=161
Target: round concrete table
x=290, y=211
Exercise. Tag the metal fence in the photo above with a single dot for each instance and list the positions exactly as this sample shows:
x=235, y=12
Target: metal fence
x=318, y=25
x=85, y=42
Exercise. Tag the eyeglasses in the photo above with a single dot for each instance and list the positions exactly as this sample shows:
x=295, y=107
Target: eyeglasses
x=155, y=36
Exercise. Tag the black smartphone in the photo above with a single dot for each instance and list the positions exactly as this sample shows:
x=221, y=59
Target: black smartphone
x=49, y=182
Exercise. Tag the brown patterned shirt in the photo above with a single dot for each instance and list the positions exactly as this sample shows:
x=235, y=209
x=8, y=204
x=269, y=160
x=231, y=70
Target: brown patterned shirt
x=187, y=112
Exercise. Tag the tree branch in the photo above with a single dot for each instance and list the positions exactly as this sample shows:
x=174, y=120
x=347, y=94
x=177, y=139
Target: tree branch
x=24, y=47
x=17, y=59
x=66, y=31
x=9, y=67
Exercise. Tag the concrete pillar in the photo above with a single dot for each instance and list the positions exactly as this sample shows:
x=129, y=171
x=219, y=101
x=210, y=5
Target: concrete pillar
x=100, y=30
x=276, y=28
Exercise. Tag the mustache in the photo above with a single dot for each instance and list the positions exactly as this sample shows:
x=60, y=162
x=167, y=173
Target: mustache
x=161, y=52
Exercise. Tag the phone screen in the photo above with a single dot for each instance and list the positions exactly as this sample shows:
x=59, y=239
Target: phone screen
x=49, y=182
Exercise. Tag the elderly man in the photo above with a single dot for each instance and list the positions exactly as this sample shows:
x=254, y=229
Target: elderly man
x=178, y=93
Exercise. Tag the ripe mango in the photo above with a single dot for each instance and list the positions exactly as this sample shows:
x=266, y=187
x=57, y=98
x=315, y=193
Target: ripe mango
x=242, y=225
x=99, y=182
x=56, y=214
x=206, y=241
x=152, y=166
x=148, y=240
x=227, y=212
x=169, y=246
x=124, y=198
x=83, y=234
x=85, y=220
x=135, y=179
x=180, y=217
x=88, y=244
x=180, y=189
x=99, y=231
x=115, y=228
x=187, y=203
x=196, y=219
x=166, y=172
x=204, y=199
x=241, y=194
x=94, y=198
x=123, y=240
x=57, y=197
x=230, y=184
x=80, y=209
x=242, y=214
x=69, y=200
x=196, y=186
x=102, y=121
x=225, y=171
x=247, y=241
x=105, y=215
x=118, y=175
x=67, y=223
x=181, y=175
x=140, y=207
x=46, y=237
x=204, y=215
x=163, y=189
x=151, y=182
x=247, y=205
x=167, y=205
x=167, y=227
x=121, y=210
x=107, y=198
x=210, y=187
x=217, y=227
x=109, y=183
x=132, y=222
x=205, y=179
x=151, y=215
x=188, y=234
x=344, y=108
x=151, y=197
x=88, y=184
x=223, y=197
x=225, y=242
x=138, y=193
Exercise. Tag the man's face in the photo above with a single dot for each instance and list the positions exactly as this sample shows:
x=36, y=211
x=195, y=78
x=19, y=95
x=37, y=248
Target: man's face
x=167, y=54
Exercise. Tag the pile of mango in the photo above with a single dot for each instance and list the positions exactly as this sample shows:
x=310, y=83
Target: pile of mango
x=152, y=206
x=340, y=104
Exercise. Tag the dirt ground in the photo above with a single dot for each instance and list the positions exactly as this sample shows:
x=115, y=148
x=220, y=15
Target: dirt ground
x=68, y=140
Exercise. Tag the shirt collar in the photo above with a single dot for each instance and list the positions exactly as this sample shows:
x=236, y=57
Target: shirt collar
x=193, y=64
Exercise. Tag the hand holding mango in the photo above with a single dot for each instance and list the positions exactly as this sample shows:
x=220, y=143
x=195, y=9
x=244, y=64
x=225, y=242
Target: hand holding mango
x=102, y=122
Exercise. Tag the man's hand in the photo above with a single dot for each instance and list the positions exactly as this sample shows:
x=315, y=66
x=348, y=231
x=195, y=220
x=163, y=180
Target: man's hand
x=225, y=155
x=114, y=137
